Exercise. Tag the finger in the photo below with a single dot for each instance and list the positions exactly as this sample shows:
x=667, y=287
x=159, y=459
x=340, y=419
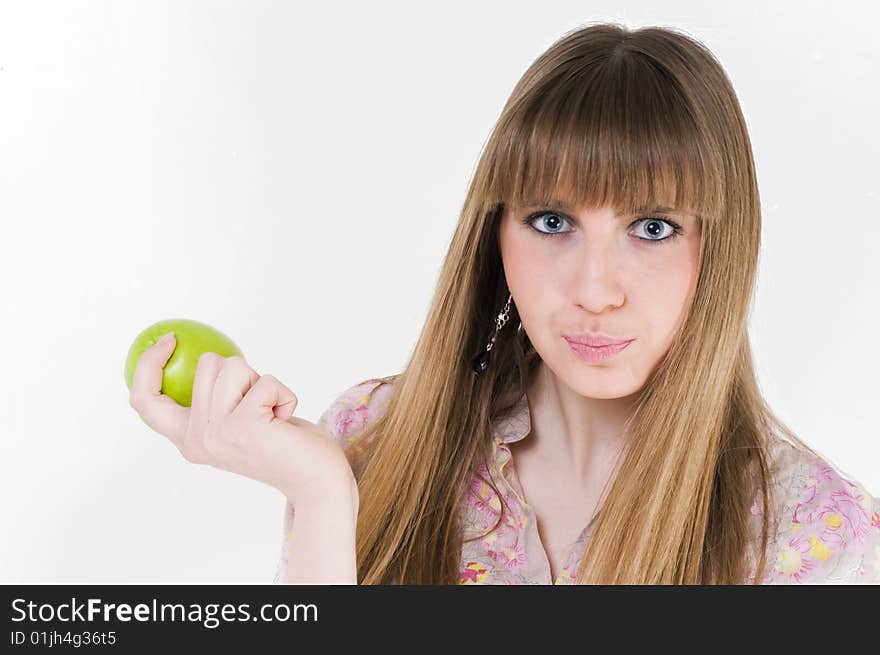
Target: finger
x=268, y=399
x=207, y=370
x=161, y=413
x=233, y=382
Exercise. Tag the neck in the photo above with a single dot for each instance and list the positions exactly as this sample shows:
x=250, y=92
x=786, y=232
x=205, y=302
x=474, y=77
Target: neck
x=577, y=436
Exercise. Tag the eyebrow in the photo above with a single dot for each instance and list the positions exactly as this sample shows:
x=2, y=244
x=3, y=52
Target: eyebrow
x=559, y=204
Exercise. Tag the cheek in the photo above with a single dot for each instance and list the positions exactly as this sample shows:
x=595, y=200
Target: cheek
x=529, y=271
x=660, y=296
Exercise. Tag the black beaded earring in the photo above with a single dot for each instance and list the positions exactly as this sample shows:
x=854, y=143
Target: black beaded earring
x=481, y=362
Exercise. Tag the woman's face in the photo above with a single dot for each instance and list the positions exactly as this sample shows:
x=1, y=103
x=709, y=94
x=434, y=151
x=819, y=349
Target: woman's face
x=626, y=277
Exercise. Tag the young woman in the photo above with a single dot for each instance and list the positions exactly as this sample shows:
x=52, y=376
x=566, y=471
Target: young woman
x=615, y=203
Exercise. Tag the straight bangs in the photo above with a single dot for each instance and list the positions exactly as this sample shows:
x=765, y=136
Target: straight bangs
x=620, y=133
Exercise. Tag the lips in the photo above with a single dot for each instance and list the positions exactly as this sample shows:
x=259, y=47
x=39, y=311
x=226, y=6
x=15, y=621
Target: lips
x=598, y=354
x=594, y=339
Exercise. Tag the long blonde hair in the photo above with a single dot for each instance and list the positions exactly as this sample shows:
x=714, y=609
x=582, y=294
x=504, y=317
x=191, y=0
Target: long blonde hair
x=607, y=116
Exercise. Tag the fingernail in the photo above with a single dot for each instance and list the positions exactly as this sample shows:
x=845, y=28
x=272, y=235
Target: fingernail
x=166, y=338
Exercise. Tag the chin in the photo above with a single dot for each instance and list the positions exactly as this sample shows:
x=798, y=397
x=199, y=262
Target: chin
x=604, y=394
x=604, y=383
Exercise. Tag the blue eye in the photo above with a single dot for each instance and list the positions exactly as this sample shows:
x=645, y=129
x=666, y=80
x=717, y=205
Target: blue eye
x=532, y=218
x=653, y=223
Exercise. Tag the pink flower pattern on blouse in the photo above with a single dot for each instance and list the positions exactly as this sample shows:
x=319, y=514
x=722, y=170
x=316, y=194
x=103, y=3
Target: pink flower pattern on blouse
x=828, y=530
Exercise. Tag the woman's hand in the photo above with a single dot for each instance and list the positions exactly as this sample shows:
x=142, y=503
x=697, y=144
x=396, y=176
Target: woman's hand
x=242, y=422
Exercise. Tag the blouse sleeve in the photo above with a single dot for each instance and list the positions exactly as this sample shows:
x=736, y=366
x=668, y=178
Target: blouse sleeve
x=347, y=416
x=828, y=528
x=860, y=561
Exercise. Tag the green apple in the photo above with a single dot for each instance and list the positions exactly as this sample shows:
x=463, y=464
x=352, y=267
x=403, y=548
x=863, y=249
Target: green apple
x=193, y=338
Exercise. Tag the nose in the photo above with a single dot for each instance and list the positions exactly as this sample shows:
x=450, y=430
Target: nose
x=597, y=282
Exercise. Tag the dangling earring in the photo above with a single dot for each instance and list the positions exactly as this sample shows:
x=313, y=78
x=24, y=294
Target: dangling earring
x=481, y=362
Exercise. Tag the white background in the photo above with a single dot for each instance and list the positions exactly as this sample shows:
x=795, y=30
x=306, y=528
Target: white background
x=291, y=173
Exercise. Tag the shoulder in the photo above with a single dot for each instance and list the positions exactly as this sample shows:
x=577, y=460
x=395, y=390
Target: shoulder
x=354, y=409
x=828, y=529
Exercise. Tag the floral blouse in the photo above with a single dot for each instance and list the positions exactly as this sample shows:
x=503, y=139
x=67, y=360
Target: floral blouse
x=829, y=530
